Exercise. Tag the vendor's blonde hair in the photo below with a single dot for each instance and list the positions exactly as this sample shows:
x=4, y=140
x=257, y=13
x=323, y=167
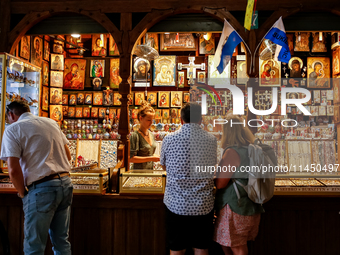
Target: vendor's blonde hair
x=236, y=134
x=144, y=109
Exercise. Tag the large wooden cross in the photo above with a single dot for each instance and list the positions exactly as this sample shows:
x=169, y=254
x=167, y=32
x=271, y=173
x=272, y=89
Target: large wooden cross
x=191, y=69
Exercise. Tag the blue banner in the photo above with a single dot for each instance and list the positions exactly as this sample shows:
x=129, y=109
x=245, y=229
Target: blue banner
x=279, y=37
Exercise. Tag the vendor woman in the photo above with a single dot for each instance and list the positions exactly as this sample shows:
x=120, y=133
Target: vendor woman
x=142, y=141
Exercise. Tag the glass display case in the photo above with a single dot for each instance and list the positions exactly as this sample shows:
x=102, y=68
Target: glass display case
x=142, y=182
x=19, y=80
x=90, y=180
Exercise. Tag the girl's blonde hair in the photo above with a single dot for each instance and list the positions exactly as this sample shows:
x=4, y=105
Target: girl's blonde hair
x=236, y=134
x=144, y=109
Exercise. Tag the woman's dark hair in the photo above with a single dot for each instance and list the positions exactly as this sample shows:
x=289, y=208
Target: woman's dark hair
x=191, y=113
x=18, y=107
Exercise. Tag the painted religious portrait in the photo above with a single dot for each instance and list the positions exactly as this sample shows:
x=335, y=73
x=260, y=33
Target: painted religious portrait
x=86, y=112
x=97, y=98
x=115, y=79
x=186, y=97
x=201, y=77
x=164, y=71
x=88, y=98
x=101, y=113
x=97, y=83
x=207, y=44
x=214, y=77
x=45, y=73
x=336, y=90
x=242, y=76
x=139, y=98
x=290, y=39
x=141, y=72
x=152, y=98
x=94, y=112
x=71, y=112
x=178, y=42
x=151, y=39
x=36, y=51
x=158, y=114
x=116, y=99
x=318, y=72
x=73, y=40
x=57, y=62
x=25, y=44
x=44, y=102
x=64, y=99
x=336, y=61
x=97, y=68
x=270, y=73
x=295, y=65
x=56, y=112
x=113, y=48
x=80, y=98
x=302, y=41
x=319, y=42
x=166, y=114
x=65, y=111
x=107, y=97
x=99, y=45
x=56, y=95
x=180, y=80
x=74, y=75
x=163, y=99
x=73, y=99
x=79, y=112
x=176, y=98
x=56, y=79
x=46, y=50
x=112, y=113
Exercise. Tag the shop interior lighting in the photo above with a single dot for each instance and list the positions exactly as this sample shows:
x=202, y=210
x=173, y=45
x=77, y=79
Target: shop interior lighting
x=320, y=36
x=75, y=35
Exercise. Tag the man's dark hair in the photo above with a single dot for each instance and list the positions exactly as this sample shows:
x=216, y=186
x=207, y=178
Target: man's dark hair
x=18, y=107
x=191, y=113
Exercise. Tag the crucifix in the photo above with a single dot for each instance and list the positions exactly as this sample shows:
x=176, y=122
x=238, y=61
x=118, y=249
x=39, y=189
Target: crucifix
x=227, y=97
x=267, y=95
x=286, y=75
x=191, y=69
x=257, y=95
x=194, y=93
x=284, y=69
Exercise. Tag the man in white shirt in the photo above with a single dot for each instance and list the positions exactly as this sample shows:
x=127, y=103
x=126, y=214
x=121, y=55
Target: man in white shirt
x=188, y=196
x=37, y=156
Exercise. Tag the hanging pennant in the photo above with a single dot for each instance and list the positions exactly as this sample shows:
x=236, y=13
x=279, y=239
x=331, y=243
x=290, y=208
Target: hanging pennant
x=249, y=14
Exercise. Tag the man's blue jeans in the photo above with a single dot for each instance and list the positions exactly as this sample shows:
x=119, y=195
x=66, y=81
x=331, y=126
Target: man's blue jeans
x=47, y=209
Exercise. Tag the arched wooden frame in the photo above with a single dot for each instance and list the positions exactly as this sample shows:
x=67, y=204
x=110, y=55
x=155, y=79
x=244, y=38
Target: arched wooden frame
x=34, y=18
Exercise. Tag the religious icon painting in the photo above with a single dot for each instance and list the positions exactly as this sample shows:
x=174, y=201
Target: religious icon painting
x=45, y=73
x=64, y=100
x=207, y=44
x=130, y=99
x=330, y=94
x=290, y=39
x=152, y=98
x=65, y=111
x=134, y=113
x=74, y=75
x=72, y=41
x=318, y=72
x=112, y=113
x=46, y=50
x=86, y=112
x=71, y=112
x=57, y=47
x=163, y=99
x=116, y=98
x=201, y=77
x=241, y=69
x=174, y=113
x=336, y=90
x=79, y=112
x=80, y=98
x=45, y=94
x=56, y=112
x=186, y=97
x=56, y=95
x=181, y=79
x=113, y=48
x=97, y=84
x=151, y=39
x=107, y=97
x=97, y=68
x=178, y=42
x=139, y=98
x=316, y=96
x=295, y=65
x=57, y=62
x=141, y=72
x=270, y=73
x=214, y=77
x=330, y=110
x=88, y=98
x=115, y=79
x=158, y=114
x=322, y=110
x=99, y=45
x=336, y=61
x=72, y=99
x=94, y=112
x=336, y=113
x=176, y=98
x=25, y=48
x=36, y=51
x=56, y=79
x=166, y=114
x=319, y=42
x=302, y=41
x=164, y=71
x=118, y=113
x=97, y=98
x=101, y=113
